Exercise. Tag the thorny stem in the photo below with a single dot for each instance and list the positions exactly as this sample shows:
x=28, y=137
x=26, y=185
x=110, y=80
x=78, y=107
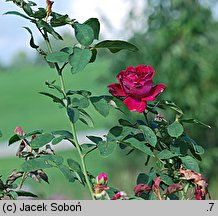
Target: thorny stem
x=75, y=140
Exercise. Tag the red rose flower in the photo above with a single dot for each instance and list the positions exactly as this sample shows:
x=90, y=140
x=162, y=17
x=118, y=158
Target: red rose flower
x=136, y=86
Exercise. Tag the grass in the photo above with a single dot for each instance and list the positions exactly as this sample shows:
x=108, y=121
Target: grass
x=21, y=104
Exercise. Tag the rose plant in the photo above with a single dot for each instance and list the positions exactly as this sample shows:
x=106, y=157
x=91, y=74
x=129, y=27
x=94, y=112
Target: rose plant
x=169, y=151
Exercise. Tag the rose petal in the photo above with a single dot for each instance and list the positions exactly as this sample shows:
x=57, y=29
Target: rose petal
x=135, y=105
x=116, y=90
x=155, y=91
x=125, y=73
x=141, y=91
x=146, y=71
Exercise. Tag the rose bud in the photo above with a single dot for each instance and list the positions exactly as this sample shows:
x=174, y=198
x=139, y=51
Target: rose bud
x=102, y=179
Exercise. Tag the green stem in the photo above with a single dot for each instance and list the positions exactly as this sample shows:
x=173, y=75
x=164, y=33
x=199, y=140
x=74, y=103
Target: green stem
x=59, y=70
x=184, y=191
x=146, y=118
x=82, y=160
x=77, y=144
x=62, y=85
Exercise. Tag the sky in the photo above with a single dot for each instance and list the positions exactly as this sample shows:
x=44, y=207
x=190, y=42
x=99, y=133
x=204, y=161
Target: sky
x=14, y=38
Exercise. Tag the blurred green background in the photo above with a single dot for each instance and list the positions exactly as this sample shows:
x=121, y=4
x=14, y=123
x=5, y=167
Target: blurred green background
x=178, y=38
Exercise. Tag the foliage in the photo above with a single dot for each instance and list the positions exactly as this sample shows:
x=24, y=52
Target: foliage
x=176, y=171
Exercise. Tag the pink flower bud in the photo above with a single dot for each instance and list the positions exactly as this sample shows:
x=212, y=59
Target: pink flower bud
x=102, y=179
x=19, y=131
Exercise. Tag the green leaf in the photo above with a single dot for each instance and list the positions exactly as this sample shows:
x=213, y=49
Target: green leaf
x=84, y=102
x=142, y=178
x=197, y=148
x=18, y=14
x=0, y=134
x=40, y=14
x=59, y=20
x=80, y=176
x=100, y=105
x=57, y=57
x=106, y=148
x=68, y=50
x=41, y=140
x=190, y=163
x=35, y=164
x=165, y=154
x=32, y=43
x=65, y=133
x=119, y=105
x=94, y=139
x=58, y=160
x=73, y=114
x=179, y=147
x=57, y=140
x=87, y=146
x=28, y=10
x=25, y=194
x=33, y=133
x=149, y=135
x=48, y=28
x=52, y=86
x=175, y=129
x=124, y=122
x=12, y=194
x=86, y=118
x=14, y=139
x=95, y=25
x=94, y=55
x=55, y=98
x=116, y=45
x=166, y=179
x=194, y=121
x=73, y=165
x=115, y=133
x=141, y=146
x=79, y=59
x=83, y=33
x=67, y=173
